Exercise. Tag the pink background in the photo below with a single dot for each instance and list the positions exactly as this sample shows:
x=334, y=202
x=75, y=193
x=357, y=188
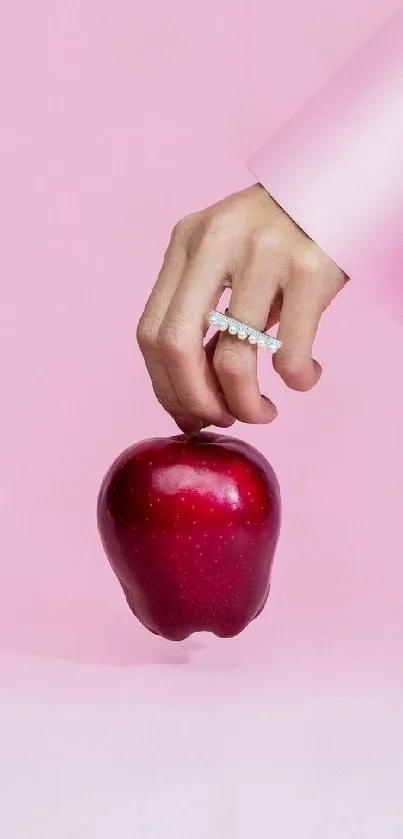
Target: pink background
x=115, y=121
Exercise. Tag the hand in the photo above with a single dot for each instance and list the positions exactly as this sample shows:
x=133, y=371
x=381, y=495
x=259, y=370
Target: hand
x=276, y=274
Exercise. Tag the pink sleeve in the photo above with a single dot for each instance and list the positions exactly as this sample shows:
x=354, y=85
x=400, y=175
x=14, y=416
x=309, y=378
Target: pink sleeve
x=337, y=166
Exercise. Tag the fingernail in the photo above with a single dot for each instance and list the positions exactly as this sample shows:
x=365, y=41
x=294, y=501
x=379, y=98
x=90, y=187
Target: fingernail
x=318, y=370
x=271, y=409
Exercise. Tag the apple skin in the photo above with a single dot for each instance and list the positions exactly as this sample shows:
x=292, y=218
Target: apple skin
x=190, y=528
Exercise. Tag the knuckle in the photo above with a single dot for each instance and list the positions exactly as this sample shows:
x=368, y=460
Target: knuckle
x=266, y=241
x=230, y=363
x=217, y=223
x=297, y=374
x=310, y=265
x=182, y=229
x=289, y=368
x=145, y=335
x=178, y=231
x=172, y=343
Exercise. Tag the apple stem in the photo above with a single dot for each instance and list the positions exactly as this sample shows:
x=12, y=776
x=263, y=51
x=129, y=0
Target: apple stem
x=194, y=433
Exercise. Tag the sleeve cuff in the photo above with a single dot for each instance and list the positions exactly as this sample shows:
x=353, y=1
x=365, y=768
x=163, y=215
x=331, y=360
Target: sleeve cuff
x=337, y=166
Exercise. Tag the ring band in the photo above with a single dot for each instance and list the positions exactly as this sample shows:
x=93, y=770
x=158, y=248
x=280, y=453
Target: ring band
x=225, y=323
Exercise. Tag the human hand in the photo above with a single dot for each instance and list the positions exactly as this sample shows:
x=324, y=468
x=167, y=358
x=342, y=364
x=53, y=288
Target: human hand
x=277, y=274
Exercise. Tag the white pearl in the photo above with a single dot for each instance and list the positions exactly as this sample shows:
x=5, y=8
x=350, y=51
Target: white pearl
x=224, y=323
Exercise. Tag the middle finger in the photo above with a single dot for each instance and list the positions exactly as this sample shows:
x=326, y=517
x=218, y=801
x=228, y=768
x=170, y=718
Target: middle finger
x=235, y=360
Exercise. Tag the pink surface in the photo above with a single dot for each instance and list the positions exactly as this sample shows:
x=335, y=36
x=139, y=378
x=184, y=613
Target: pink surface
x=344, y=187
x=116, y=120
x=200, y=753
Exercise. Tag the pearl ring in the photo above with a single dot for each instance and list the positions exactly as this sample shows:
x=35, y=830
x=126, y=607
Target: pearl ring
x=225, y=323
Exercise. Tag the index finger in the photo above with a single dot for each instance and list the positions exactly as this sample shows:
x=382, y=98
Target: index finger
x=181, y=337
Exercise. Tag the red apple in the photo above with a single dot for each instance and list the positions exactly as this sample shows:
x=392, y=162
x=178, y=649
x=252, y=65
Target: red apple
x=190, y=528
